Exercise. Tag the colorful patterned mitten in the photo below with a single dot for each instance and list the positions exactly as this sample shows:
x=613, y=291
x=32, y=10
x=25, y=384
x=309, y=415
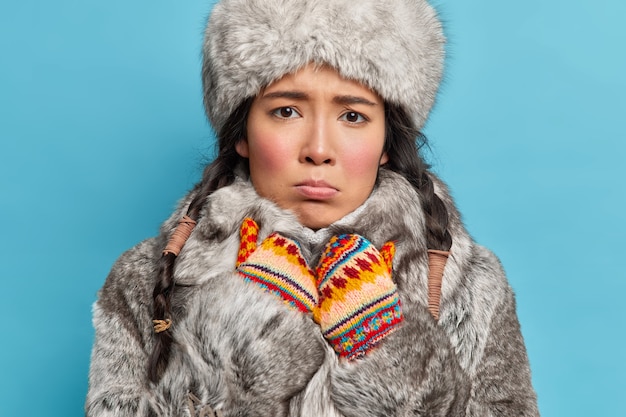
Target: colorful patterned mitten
x=359, y=303
x=277, y=266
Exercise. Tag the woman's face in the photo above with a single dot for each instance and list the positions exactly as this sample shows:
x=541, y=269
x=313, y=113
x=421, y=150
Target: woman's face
x=314, y=144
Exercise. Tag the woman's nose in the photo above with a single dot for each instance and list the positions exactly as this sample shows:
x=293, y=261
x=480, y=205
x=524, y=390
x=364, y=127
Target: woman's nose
x=318, y=148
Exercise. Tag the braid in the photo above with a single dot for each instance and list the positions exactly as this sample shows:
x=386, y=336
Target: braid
x=162, y=296
x=402, y=147
x=218, y=174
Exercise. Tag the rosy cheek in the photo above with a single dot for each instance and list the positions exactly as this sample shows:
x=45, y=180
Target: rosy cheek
x=363, y=160
x=269, y=153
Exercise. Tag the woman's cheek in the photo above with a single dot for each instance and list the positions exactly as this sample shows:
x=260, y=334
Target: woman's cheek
x=363, y=160
x=270, y=153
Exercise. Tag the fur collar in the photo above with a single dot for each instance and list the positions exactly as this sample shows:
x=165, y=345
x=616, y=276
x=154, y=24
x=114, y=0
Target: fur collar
x=392, y=212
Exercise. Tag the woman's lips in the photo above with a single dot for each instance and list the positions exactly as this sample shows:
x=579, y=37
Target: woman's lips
x=316, y=190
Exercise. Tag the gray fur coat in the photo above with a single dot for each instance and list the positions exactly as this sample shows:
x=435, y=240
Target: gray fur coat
x=242, y=352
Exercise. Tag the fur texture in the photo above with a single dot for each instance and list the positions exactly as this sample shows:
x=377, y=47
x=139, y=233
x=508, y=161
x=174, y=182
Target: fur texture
x=242, y=351
x=394, y=47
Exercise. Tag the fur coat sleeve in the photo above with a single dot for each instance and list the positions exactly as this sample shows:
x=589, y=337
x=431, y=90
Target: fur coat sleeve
x=241, y=351
x=493, y=381
x=237, y=349
x=500, y=374
x=472, y=361
x=117, y=376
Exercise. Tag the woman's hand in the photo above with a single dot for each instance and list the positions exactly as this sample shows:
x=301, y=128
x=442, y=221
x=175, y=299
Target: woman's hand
x=277, y=266
x=359, y=304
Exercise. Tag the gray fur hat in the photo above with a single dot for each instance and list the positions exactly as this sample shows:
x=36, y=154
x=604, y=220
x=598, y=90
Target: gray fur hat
x=394, y=47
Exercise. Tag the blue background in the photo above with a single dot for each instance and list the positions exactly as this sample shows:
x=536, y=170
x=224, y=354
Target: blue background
x=102, y=130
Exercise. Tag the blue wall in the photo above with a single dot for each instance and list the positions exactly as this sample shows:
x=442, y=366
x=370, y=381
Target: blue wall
x=102, y=130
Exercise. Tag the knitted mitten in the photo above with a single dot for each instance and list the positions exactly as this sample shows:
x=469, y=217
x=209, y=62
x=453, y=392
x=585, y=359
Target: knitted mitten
x=277, y=266
x=359, y=303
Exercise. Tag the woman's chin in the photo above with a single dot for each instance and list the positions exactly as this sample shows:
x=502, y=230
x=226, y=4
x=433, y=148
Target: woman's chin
x=318, y=216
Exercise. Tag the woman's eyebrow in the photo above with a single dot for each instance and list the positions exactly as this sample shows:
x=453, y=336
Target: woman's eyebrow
x=347, y=100
x=294, y=95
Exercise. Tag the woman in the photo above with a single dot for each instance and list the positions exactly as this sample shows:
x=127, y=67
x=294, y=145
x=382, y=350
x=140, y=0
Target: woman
x=302, y=275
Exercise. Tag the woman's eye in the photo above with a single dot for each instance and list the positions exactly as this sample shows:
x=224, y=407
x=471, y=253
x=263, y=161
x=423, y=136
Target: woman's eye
x=353, y=117
x=285, y=112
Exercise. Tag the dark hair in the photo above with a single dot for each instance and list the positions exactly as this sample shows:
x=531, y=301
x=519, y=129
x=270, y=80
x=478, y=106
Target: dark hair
x=218, y=174
x=402, y=144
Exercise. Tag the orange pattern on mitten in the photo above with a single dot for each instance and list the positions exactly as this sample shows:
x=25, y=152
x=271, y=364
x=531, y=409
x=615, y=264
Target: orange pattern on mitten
x=359, y=304
x=277, y=266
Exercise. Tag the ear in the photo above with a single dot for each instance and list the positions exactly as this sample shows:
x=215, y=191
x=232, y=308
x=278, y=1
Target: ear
x=384, y=158
x=242, y=148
